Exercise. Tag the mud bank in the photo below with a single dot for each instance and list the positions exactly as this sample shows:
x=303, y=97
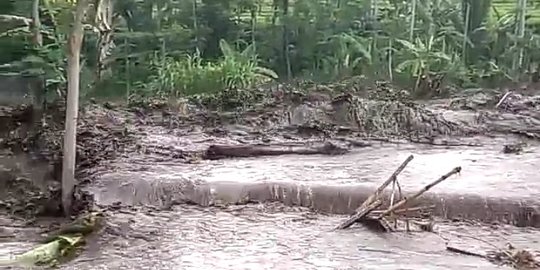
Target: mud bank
x=31, y=156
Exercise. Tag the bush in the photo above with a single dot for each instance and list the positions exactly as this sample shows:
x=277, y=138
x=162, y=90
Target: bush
x=191, y=75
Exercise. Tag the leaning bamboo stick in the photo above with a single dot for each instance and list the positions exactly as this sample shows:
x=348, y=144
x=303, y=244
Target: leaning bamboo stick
x=391, y=179
x=373, y=201
x=406, y=210
x=419, y=193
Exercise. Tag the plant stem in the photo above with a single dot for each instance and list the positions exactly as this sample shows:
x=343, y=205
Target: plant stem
x=413, y=20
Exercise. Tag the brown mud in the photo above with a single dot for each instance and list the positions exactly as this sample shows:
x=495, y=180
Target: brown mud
x=173, y=156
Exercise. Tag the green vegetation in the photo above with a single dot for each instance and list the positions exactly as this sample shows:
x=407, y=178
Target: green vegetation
x=192, y=47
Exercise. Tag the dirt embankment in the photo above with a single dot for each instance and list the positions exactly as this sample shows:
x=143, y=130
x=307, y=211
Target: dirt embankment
x=31, y=154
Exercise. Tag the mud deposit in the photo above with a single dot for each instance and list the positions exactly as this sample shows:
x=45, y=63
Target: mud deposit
x=277, y=212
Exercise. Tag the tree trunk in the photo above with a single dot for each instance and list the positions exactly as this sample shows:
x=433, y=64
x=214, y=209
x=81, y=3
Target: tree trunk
x=285, y=41
x=73, y=76
x=36, y=24
x=105, y=44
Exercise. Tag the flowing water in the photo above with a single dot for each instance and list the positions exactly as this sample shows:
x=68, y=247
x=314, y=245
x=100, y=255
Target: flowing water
x=485, y=171
x=262, y=237
x=257, y=237
x=284, y=237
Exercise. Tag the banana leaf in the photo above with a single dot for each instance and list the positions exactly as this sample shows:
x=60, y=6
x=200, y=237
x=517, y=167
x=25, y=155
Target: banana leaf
x=45, y=254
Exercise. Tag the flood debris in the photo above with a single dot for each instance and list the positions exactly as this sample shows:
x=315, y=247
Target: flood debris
x=514, y=148
x=362, y=211
x=518, y=258
x=60, y=245
x=368, y=215
x=47, y=254
x=509, y=255
x=226, y=151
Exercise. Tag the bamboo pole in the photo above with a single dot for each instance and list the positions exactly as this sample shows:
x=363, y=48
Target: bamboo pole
x=422, y=191
x=373, y=201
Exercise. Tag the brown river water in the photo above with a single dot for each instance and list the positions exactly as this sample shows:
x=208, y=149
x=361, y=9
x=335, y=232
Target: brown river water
x=278, y=236
x=261, y=236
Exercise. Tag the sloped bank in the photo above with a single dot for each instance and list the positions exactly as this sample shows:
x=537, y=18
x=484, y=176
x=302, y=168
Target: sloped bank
x=31, y=154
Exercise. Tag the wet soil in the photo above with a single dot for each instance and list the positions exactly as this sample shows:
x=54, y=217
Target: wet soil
x=154, y=158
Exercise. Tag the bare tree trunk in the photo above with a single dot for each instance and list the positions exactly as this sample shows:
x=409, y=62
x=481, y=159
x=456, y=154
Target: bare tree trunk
x=105, y=44
x=36, y=24
x=285, y=40
x=70, y=136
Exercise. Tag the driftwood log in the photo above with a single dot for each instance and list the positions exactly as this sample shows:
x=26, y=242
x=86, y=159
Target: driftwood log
x=226, y=151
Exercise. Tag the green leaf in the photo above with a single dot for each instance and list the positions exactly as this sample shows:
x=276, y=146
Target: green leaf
x=44, y=254
x=266, y=72
x=226, y=49
x=410, y=46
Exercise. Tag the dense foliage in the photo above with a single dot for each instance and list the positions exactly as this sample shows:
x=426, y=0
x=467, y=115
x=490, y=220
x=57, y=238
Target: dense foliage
x=186, y=47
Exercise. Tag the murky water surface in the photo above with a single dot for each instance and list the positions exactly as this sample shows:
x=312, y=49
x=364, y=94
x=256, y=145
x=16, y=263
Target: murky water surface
x=252, y=237
x=485, y=170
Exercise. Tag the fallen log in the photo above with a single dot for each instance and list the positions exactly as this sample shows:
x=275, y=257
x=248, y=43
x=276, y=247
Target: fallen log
x=368, y=205
x=226, y=151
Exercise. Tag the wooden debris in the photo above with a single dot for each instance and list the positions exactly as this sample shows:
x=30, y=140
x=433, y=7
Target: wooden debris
x=515, y=148
x=422, y=191
x=224, y=151
x=518, y=258
x=464, y=252
x=405, y=211
x=359, y=215
x=376, y=224
x=368, y=214
x=373, y=201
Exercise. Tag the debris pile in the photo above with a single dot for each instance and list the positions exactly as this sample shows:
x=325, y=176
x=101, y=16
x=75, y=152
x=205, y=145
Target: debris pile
x=368, y=212
x=399, y=216
x=518, y=258
x=32, y=143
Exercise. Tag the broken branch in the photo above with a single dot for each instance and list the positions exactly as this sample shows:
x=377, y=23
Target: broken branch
x=392, y=178
x=358, y=215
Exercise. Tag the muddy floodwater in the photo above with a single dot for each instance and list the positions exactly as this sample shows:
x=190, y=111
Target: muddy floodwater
x=486, y=171
x=278, y=212
x=261, y=236
x=267, y=237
